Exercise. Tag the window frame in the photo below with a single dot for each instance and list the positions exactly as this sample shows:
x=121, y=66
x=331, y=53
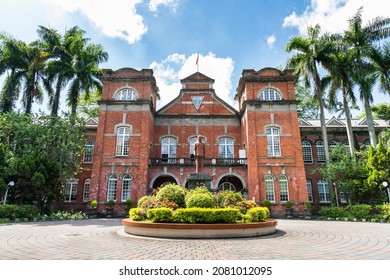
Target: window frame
x=225, y=147
x=70, y=190
x=320, y=150
x=273, y=141
x=126, y=189
x=307, y=152
x=283, y=189
x=122, y=146
x=88, y=152
x=269, y=187
x=126, y=94
x=323, y=191
x=270, y=94
x=87, y=185
x=112, y=184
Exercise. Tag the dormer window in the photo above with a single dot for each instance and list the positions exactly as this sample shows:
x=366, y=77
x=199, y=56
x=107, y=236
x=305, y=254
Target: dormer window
x=269, y=94
x=126, y=94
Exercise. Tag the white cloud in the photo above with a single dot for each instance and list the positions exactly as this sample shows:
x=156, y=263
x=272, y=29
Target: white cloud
x=177, y=66
x=119, y=19
x=153, y=4
x=333, y=15
x=271, y=40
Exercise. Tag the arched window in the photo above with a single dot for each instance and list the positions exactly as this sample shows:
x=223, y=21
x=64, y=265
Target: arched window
x=70, y=190
x=126, y=94
x=269, y=94
x=323, y=191
x=168, y=149
x=111, y=190
x=88, y=153
x=122, y=141
x=320, y=151
x=226, y=147
x=309, y=190
x=333, y=144
x=269, y=188
x=273, y=141
x=227, y=186
x=87, y=183
x=283, y=188
x=126, y=186
x=307, y=152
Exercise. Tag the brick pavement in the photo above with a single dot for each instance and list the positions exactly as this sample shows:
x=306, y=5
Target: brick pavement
x=104, y=239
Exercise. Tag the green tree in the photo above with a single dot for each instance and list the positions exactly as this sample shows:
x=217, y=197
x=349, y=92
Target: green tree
x=378, y=165
x=86, y=58
x=360, y=40
x=308, y=105
x=381, y=111
x=42, y=153
x=311, y=52
x=341, y=69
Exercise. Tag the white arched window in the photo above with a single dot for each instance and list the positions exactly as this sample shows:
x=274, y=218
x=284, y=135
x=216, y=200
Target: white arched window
x=111, y=190
x=283, y=188
x=269, y=188
x=87, y=183
x=273, y=141
x=126, y=186
x=307, y=152
x=269, y=94
x=227, y=186
x=122, y=141
x=309, y=190
x=126, y=94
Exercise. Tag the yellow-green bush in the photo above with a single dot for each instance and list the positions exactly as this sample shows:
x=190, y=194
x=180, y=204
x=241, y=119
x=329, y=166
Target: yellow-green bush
x=137, y=214
x=257, y=214
x=205, y=215
x=160, y=215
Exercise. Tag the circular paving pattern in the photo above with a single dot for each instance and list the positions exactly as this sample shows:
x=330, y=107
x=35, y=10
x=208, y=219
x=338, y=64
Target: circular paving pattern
x=105, y=239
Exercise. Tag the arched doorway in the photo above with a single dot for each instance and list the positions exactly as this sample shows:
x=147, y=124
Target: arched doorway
x=230, y=182
x=163, y=179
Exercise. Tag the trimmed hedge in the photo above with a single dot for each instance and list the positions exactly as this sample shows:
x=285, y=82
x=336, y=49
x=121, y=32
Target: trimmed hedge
x=10, y=211
x=201, y=200
x=137, y=214
x=160, y=215
x=205, y=215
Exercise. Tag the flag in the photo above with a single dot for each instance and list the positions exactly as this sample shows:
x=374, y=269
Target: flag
x=197, y=59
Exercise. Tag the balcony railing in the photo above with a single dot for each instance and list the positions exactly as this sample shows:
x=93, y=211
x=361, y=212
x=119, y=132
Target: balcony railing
x=191, y=161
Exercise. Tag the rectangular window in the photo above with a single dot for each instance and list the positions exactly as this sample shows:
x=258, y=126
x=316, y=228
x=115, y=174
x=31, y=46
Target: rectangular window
x=87, y=183
x=88, y=153
x=126, y=184
x=320, y=151
x=70, y=190
x=273, y=142
x=111, y=193
x=309, y=190
x=323, y=191
x=122, y=141
x=269, y=189
x=283, y=190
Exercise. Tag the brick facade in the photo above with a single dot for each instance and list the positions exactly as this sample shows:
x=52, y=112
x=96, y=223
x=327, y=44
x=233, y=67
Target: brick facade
x=246, y=149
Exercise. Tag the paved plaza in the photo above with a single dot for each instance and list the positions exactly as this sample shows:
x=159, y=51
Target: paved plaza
x=104, y=239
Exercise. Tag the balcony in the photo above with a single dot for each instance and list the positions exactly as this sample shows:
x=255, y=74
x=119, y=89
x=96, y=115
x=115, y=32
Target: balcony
x=164, y=161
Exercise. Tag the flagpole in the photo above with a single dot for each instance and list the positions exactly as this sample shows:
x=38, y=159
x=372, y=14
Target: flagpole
x=197, y=62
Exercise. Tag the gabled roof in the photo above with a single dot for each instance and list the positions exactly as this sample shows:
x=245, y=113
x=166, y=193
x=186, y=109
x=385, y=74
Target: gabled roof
x=364, y=122
x=196, y=78
x=303, y=122
x=334, y=122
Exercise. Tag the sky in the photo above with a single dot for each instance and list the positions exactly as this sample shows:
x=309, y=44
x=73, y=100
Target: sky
x=167, y=35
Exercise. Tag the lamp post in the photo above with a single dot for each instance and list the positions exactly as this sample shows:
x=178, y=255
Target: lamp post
x=386, y=186
x=10, y=184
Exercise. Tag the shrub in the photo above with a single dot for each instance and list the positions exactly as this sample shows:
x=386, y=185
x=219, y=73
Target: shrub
x=359, y=211
x=160, y=215
x=258, y=214
x=226, y=199
x=333, y=212
x=201, y=200
x=110, y=203
x=289, y=204
x=384, y=211
x=11, y=211
x=142, y=200
x=129, y=203
x=245, y=205
x=93, y=204
x=205, y=215
x=266, y=203
x=137, y=214
x=173, y=193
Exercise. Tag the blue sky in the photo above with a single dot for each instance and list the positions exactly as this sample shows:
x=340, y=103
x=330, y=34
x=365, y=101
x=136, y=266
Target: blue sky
x=166, y=35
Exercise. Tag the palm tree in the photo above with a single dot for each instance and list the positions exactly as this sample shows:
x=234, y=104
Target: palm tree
x=360, y=39
x=381, y=65
x=311, y=52
x=86, y=58
x=341, y=69
x=10, y=52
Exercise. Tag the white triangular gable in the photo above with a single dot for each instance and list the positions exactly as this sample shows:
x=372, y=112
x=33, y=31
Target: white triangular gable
x=364, y=122
x=303, y=122
x=335, y=122
x=197, y=100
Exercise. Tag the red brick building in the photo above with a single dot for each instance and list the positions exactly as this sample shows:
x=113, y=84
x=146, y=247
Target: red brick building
x=133, y=148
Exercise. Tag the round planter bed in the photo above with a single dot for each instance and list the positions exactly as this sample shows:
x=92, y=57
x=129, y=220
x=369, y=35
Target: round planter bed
x=171, y=230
